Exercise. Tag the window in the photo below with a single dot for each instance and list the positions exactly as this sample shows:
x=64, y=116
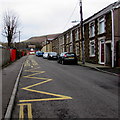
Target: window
x=71, y=48
x=71, y=36
x=92, y=29
x=101, y=25
x=67, y=38
x=77, y=49
x=63, y=40
x=77, y=37
x=92, y=48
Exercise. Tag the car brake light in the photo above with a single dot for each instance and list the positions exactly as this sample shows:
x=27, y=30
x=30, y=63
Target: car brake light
x=65, y=55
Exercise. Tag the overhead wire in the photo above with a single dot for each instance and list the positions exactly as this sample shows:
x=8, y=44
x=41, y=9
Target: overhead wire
x=71, y=15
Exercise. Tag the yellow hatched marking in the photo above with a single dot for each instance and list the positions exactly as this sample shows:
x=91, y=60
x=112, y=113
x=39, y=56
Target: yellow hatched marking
x=34, y=62
x=46, y=99
x=28, y=88
x=21, y=113
x=27, y=63
x=38, y=72
x=32, y=69
x=36, y=84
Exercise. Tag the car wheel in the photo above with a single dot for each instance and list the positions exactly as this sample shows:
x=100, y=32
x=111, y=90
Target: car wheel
x=58, y=61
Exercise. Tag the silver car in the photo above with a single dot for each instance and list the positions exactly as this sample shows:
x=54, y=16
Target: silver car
x=45, y=55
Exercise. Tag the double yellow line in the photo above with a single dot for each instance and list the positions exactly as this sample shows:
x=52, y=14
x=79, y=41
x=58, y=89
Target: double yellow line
x=29, y=109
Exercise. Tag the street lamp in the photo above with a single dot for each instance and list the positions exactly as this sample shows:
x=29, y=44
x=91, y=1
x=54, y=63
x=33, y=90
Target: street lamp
x=75, y=21
x=81, y=27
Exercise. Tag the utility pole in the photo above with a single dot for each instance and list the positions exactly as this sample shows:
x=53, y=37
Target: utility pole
x=81, y=26
x=46, y=43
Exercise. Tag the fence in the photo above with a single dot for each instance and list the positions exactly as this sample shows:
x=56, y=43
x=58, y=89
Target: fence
x=9, y=55
x=4, y=56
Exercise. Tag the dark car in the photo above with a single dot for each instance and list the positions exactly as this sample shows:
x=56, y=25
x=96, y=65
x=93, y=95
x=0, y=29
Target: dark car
x=67, y=57
x=39, y=53
x=52, y=55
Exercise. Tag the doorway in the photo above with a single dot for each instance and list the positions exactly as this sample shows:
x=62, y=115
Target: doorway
x=108, y=54
x=102, y=52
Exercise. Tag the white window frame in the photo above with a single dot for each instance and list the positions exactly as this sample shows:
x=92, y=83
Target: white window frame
x=77, y=36
x=71, y=48
x=77, y=49
x=63, y=40
x=101, y=20
x=67, y=38
x=92, y=29
x=92, y=45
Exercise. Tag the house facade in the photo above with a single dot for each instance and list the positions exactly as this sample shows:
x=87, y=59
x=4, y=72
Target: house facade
x=101, y=33
x=101, y=38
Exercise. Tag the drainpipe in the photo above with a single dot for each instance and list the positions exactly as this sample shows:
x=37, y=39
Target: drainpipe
x=113, y=39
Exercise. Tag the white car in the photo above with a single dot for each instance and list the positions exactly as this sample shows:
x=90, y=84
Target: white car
x=45, y=55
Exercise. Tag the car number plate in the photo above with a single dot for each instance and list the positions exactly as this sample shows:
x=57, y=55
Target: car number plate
x=71, y=57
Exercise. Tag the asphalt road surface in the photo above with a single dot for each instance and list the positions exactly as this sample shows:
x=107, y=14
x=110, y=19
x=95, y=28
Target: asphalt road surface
x=51, y=90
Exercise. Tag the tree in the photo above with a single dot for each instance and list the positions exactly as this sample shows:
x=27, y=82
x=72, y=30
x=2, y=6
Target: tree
x=10, y=26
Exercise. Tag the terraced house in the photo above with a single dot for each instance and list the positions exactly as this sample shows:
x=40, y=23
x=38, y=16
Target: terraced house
x=101, y=37
x=102, y=33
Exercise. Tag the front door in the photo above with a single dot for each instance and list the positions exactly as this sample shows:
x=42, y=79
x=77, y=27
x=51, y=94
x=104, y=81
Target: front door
x=102, y=52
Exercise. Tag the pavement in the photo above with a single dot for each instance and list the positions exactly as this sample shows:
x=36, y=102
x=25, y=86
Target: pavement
x=102, y=68
x=11, y=72
x=9, y=77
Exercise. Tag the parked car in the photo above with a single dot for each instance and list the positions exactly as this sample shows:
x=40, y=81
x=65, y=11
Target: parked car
x=39, y=53
x=52, y=55
x=45, y=55
x=67, y=57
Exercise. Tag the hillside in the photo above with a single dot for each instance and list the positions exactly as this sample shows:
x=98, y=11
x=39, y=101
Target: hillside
x=41, y=38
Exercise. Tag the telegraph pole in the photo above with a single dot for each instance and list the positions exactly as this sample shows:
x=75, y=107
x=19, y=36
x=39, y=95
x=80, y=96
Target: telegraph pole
x=81, y=26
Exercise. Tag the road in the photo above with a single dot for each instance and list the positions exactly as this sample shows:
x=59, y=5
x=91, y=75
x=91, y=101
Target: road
x=51, y=90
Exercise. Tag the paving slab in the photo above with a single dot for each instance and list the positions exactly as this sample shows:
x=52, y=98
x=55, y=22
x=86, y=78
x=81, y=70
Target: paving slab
x=9, y=76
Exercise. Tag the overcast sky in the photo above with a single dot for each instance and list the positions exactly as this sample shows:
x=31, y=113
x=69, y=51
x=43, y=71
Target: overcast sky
x=42, y=17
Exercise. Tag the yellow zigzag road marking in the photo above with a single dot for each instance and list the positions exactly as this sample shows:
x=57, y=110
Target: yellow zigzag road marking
x=28, y=88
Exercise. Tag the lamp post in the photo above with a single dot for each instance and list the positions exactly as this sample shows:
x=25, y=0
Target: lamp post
x=81, y=27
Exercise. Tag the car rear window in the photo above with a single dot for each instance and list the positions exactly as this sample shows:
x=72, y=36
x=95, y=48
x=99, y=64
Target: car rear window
x=70, y=54
x=53, y=53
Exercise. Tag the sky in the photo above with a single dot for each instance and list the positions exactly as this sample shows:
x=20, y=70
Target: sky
x=42, y=17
